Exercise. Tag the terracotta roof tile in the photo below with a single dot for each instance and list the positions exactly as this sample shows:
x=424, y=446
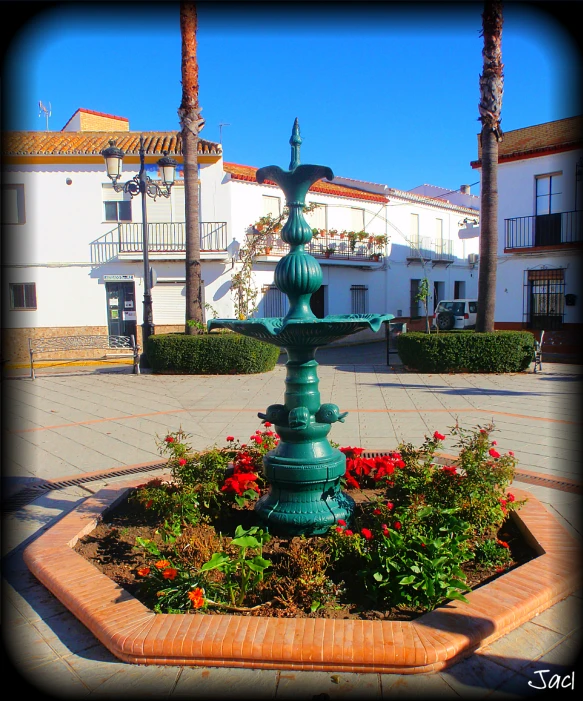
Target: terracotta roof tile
x=561, y=135
x=247, y=173
x=75, y=143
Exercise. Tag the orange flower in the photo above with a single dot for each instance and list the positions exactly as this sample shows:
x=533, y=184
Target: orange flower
x=197, y=597
x=170, y=573
x=144, y=571
x=162, y=564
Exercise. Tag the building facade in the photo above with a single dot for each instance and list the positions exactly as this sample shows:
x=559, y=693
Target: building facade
x=540, y=227
x=74, y=247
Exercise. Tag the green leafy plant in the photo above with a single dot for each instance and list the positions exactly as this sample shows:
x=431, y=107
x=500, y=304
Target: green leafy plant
x=241, y=572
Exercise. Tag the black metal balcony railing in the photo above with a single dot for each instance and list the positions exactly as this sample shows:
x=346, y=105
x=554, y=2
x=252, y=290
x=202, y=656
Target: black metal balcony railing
x=163, y=237
x=431, y=249
x=335, y=246
x=544, y=230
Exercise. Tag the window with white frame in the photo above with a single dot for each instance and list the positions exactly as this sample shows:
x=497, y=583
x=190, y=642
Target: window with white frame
x=274, y=302
x=359, y=299
x=549, y=195
x=318, y=217
x=13, y=211
x=23, y=295
x=117, y=206
x=356, y=219
x=271, y=206
x=414, y=229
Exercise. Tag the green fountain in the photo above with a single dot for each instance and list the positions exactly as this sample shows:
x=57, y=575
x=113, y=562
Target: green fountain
x=304, y=471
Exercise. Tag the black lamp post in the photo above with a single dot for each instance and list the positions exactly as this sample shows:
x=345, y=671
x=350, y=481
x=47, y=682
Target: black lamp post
x=141, y=184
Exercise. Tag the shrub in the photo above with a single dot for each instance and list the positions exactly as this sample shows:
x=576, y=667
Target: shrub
x=210, y=354
x=500, y=351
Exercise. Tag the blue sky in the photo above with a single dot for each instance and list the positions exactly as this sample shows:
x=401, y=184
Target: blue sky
x=385, y=92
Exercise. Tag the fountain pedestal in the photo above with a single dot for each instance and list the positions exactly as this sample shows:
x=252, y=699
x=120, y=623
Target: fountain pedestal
x=304, y=471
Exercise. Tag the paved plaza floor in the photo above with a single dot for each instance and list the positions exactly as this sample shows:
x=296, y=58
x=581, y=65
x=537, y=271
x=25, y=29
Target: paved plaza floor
x=71, y=422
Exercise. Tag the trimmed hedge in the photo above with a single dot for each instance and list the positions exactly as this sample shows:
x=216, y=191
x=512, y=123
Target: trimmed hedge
x=501, y=351
x=209, y=354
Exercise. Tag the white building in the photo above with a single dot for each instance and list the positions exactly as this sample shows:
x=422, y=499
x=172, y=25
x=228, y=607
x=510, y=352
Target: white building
x=540, y=220
x=74, y=263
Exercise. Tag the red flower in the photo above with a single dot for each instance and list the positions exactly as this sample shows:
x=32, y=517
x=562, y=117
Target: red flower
x=149, y=503
x=494, y=453
x=438, y=436
x=144, y=571
x=510, y=497
x=169, y=439
x=182, y=461
x=397, y=525
x=390, y=505
x=162, y=564
x=483, y=430
x=197, y=597
x=341, y=522
x=503, y=543
x=450, y=470
x=510, y=452
x=494, y=442
x=267, y=424
x=384, y=526
x=503, y=502
x=422, y=545
x=366, y=533
x=170, y=573
x=348, y=532
x=339, y=530
x=376, y=512
x=230, y=438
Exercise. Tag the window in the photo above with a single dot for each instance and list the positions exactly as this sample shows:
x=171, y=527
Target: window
x=473, y=307
x=118, y=211
x=271, y=206
x=274, y=302
x=116, y=205
x=23, y=295
x=359, y=299
x=547, y=225
x=13, y=204
x=356, y=219
x=317, y=218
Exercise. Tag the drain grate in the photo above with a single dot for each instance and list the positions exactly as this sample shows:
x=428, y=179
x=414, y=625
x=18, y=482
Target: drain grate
x=29, y=494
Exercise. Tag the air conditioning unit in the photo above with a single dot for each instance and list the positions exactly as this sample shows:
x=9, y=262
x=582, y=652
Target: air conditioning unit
x=473, y=258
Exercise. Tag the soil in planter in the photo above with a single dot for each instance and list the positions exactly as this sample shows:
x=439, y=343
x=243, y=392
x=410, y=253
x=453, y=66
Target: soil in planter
x=111, y=548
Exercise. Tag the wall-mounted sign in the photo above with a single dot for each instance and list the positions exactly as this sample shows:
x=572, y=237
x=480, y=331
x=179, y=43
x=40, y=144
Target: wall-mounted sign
x=113, y=278
x=129, y=304
x=129, y=316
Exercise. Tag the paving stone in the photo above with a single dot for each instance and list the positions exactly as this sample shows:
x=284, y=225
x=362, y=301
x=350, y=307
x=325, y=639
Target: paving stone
x=476, y=677
x=221, y=683
x=138, y=682
x=564, y=617
x=416, y=686
x=341, y=685
x=54, y=679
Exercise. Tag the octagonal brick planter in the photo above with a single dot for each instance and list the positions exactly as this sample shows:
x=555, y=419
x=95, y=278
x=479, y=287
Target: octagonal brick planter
x=436, y=640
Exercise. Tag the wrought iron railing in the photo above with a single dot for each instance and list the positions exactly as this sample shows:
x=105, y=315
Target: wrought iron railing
x=334, y=246
x=162, y=237
x=544, y=230
x=431, y=249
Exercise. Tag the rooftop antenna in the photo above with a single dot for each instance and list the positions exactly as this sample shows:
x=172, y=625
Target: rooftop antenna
x=46, y=110
x=221, y=125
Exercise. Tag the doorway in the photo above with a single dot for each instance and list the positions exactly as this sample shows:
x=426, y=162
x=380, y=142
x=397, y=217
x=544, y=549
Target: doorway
x=121, y=309
x=318, y=302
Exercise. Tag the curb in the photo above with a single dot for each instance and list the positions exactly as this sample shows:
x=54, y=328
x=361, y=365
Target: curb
x=431, y=643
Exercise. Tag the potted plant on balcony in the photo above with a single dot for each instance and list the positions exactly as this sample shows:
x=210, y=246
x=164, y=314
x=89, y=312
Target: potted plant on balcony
x=329, y=251
x=332, y=233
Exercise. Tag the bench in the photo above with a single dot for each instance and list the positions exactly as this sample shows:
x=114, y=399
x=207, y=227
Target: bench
x=118, y=347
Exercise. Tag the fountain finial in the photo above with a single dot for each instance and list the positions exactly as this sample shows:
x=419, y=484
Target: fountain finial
x=295, y=142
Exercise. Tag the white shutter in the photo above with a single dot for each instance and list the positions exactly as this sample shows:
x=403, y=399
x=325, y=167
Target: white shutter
x=178, y=206
x=159, y=210
x=169, y=302
x=110, y=195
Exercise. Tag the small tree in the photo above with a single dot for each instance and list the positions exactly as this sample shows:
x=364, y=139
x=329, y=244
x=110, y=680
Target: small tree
x=423, y=296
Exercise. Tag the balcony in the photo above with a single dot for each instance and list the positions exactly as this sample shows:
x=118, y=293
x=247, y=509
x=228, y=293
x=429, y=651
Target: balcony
x=336, y=247
x=545, y=230
x=163, y=238
x=435, y=251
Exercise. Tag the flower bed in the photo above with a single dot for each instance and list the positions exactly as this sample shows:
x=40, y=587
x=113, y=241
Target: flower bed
x=421, y=534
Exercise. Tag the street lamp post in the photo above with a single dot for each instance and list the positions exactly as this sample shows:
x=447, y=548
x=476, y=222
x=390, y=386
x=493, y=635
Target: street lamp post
x=142, y=184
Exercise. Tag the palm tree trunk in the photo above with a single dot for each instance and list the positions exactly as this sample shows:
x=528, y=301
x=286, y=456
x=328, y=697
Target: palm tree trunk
x=191, y=123
x=491, y=90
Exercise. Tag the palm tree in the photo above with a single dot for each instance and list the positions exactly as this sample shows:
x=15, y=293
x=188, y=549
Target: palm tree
x=491, y=90
x=191, y=123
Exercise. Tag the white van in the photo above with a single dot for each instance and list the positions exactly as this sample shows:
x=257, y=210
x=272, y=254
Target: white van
x=455, y=314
